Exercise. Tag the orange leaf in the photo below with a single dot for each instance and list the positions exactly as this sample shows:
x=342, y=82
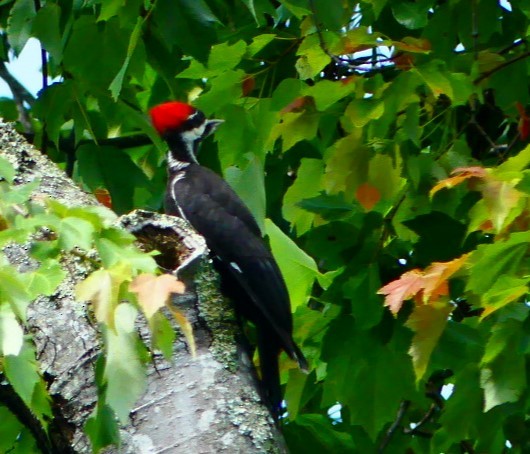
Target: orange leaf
x=460, y=174
x=402, y=289
x=248, y=85
x=524, y=121
x=411, y=44
x=154, y=291
x=103, y=197
x=436, y=275
x=424, y=286
x=297, y=105
x=368, y=196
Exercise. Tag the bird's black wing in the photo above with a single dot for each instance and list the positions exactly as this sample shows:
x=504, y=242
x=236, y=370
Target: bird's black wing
x=232, y=234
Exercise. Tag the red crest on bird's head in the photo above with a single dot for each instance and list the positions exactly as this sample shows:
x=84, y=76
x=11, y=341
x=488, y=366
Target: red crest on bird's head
x=170, y=115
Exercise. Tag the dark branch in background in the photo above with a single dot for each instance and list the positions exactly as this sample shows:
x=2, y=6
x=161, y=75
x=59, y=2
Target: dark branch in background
x=15, y=405
x=474, y=28
x=403, y=407
x=44, y=70
x=20, y=95
x=68, y=146
x=486, y=74
x=433, y=389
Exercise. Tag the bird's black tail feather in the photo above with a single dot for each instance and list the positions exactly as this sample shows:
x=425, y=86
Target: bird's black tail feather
x=269, y=352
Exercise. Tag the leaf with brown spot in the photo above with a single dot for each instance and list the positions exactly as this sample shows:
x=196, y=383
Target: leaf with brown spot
x=367, y=195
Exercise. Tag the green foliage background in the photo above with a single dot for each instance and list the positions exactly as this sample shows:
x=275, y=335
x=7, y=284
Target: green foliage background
x=340, y=117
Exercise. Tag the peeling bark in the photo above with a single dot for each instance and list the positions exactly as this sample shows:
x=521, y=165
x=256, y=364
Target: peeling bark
x=199, y=405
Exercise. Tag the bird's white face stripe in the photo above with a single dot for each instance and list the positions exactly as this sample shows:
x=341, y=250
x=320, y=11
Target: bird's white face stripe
x=235, y=266
x=177, y=177
x=193, y=134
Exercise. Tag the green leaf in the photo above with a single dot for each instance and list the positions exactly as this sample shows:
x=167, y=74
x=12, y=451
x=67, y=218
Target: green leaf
x=312, y=58
x=260, y=41
x=249, y=185
x=44, y=280
x=361, y=289
x=103, y=48
x=10, y=430
x=286, y=92
x=112, y=254
x=225, y=89
x=326, y=92
x=97, y=169
x=505, y=290
x=19, y=24
x=428, y=322
x=516, y=163
x=102, y=428
x=504, y=379
x=307, y=184
x=47, y=29
x=412, y=15
x=295, y=127
x=179, y=20
x=11, y=334
x=20, y=194
x=117, y=83
x=75, y=233
x=317, y=432
x=7, y=171
x=436, y=77
x=330, y=207
x=299, y=269
x=491, y=261
x=361, y=111
x=363, y=371
x=163, y=334
x=122, y=364
x=22, y=372
x=226, y=56
x=13, y=288
x=110, y=8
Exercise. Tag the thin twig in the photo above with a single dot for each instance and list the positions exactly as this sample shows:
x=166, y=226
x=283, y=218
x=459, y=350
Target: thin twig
x=427, y=417
x=403, y=407
x=20, y=95
x=486, y=74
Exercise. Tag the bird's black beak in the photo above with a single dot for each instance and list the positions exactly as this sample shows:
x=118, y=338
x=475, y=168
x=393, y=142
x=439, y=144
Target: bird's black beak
x=211, y=126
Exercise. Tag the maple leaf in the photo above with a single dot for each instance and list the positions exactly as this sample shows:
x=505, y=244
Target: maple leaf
x=402, y=289
x=101, y=288
x=436, y=275
x=428, y=323
x=186, y=328
x=430, y=284
x=459, y=175
x=154, y=291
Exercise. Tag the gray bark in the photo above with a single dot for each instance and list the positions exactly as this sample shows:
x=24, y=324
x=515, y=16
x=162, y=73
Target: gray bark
x=197, y=405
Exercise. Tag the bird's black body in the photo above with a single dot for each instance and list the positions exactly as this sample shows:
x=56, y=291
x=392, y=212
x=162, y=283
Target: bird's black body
x=249, y=273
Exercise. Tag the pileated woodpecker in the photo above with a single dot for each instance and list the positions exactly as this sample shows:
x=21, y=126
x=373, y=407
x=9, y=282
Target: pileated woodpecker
x=249, y=273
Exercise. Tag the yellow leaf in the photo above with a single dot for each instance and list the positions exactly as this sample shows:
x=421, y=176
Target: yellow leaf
x=428, y=323
x=99, y=289
x=102, y=289
x=437, y=274
x=186, y=328
x=459, y=175
x=154, y=291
